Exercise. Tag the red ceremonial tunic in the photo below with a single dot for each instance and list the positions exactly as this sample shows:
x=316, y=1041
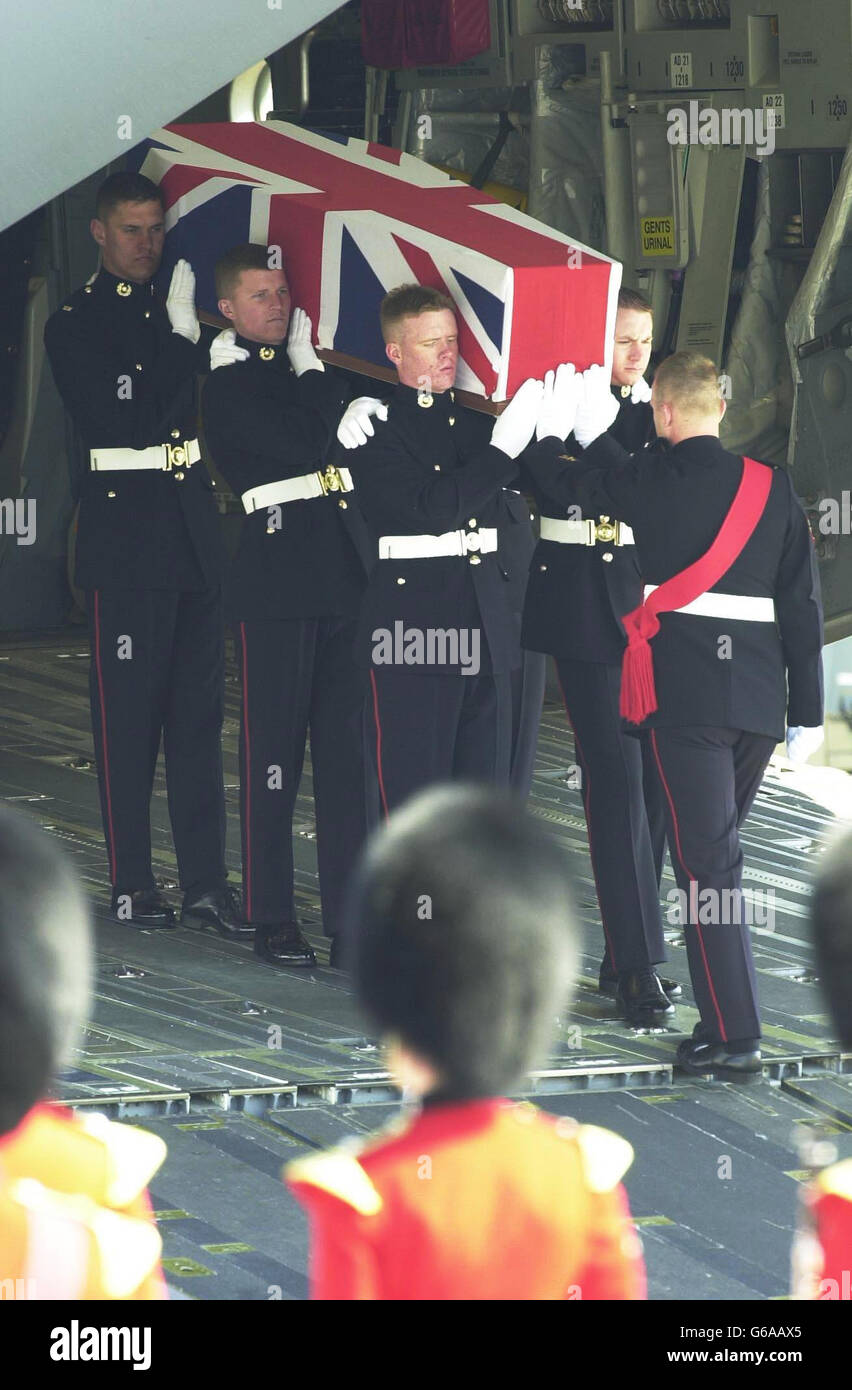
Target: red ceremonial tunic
x=822, y=1250
x=483, y=1199
x=75, y=1217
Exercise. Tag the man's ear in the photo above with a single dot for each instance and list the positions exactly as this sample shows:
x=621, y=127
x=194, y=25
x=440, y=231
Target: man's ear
x=226, y=308
x=96, y=227
x=723, y=406
x=393, y=353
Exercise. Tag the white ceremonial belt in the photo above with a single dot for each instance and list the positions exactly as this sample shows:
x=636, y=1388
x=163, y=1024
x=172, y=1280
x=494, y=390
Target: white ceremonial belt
x=743, y=607
x=298, y=489
x=159, y=456
x=586, y=532
x=429, y=547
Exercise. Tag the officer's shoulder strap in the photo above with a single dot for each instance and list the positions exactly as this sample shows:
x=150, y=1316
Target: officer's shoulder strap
x=338, y=1172
x=606, y=1156
x=836, y=1181
x=78, y=300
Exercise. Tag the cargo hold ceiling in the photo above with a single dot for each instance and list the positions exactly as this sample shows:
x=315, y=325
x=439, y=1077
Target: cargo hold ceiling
x=76, y=71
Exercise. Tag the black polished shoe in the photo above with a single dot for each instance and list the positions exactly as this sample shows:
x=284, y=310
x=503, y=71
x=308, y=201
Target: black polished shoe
x=221, y=908
x=608, y=983
x=641, y=999
x=738, y=1060
x=146, y=909
x=283, y=945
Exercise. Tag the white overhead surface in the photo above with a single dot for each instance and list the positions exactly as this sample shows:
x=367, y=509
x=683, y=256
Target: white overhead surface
x=74, y=70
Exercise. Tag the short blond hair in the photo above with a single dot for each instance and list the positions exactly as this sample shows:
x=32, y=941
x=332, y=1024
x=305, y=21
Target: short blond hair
x=410, y=301
x=689, y=382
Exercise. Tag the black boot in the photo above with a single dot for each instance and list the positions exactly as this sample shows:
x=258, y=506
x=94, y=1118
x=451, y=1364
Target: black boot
x=145, y=909
x=608, y=981
x=642, y=1000
x=221, y=908
x=283, y=945
x=737, y=1060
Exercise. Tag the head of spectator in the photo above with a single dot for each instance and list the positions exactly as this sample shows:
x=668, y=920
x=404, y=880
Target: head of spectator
x=831, y=923
x=634, y=338
x=421, y=337
x=463, y=941
x=686, y=398
x=44, y=965
x=129, y=226
x=254, y=294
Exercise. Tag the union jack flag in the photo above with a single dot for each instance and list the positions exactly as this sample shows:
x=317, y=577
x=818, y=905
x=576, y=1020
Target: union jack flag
x=355, y=219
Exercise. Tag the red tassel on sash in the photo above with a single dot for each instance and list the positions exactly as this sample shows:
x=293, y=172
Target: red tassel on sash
x=638, y=693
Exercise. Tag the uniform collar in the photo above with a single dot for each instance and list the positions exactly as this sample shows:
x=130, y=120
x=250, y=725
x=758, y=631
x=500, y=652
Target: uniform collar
x=124, y=291
x=707, y=452
x=621, y=393
x=267, y=354
x=439, y=1118
x=437, y=405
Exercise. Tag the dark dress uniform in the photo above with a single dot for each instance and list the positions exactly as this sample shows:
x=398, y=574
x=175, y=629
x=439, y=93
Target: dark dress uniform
x=426, y=473
x=518, y=1205
x=293, y=592
x=516, y=546
x=575, y=599
x=723, y=683
x=150, y=558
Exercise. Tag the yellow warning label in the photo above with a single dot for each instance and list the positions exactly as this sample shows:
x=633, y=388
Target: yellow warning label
x=658, y=236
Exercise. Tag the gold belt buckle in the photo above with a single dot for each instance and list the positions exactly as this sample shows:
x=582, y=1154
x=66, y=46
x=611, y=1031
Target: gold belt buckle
x=608, y=532
x=177, y=456
x=331, y=481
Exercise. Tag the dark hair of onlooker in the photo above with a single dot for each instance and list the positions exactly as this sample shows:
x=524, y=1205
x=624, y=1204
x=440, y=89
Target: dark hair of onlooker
x=463, y=942
x=831, y=922
x=44, y=964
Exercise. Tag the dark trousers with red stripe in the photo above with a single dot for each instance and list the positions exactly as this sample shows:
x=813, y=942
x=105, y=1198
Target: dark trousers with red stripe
x=624, y=815
x=420, y=729
x=527, y=683
x=157, y=675
x=710, y=777
x=299, y=674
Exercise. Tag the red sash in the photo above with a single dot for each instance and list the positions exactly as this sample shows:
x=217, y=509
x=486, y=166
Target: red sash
x=638, y=695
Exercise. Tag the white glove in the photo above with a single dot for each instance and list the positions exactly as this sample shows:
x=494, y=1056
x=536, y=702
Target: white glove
x=597, y=409
x=563, y=390
x=641, y=392
x=224, y=351
x=513, y=430
x=801, y=743
x=299, y=348
x=180, y=302
x=355, y=425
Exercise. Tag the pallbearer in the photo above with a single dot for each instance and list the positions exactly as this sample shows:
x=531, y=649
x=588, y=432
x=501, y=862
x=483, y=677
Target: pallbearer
x=724, y=649
x=584, y=577
x=439, y=623
x=270, y=416
x=150, y=558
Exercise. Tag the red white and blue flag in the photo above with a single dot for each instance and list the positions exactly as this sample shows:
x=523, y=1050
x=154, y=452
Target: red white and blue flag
x=354, y=220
